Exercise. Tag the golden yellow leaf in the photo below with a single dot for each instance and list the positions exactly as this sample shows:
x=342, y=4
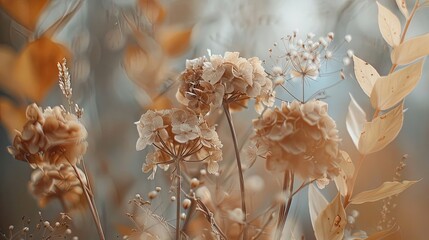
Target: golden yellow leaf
x=402, y=5
x=316, y=203
x=386, y=189
x=410, y=50
x=174, y=42
x=381, y=131
x=35, y=69
x=347, y=169
x=12, y=117
x=355, y=120
x=389, y=25
x=153, y=10
x=331, y=222
x=366, y=75
x=391, y=89
x=25, y=12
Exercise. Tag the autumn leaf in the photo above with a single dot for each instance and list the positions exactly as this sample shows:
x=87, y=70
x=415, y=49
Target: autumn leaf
x=391, y=89
x=355, y=120
x=7, y=58
x=346, y=170
x=402, y=5
x=174, y=42
x=35, y=69
x=153, y=10
x=410, y=50
x=389, y=25
x=11, y=116
x=160, y=103
x=366, y=75
x=387, y=189
x=316, y=203
x=25, y=12
x=381, y=131
x=331, y=222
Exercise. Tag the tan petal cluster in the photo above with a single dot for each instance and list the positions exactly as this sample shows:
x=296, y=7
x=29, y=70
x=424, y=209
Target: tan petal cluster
x=207, y=83
x=177, y=135
x=301, y=137
x=52, y=136
x=57, y=181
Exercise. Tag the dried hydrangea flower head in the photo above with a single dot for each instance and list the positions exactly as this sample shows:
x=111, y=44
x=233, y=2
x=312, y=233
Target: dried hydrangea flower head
x=57, y=181
x=52, y=136
x=207, y=83
x=177, y=135
x=300, y=137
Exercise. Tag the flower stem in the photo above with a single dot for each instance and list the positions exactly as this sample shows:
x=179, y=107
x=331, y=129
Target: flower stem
x=91, y=203
x=178, y=202
x=240, y=170
x=285, y=207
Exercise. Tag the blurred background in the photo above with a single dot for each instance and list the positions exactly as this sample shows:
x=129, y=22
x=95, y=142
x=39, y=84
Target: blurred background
x=124, y=56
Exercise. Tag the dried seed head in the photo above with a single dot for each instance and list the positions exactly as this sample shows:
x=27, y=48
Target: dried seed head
x=152, y=195
x=195, y=182
x=186, y=203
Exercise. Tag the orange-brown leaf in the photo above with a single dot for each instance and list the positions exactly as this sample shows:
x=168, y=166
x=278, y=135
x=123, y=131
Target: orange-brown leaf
x=35, y=69
x=160, y=103
x=25, y=12
x=174, y=42
x=153, y=10
x=12, y=117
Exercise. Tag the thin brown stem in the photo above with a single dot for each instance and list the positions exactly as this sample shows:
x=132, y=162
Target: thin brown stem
x=288, y=181
x=240, y=170
x=92, y=207
x=178, y=202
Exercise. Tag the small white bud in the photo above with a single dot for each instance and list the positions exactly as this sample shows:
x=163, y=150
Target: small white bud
x=328, y=55
x=355, y=213
x=350, y=53
x=173, y=198
x=57, y=224
x=25, y=229
x=346, y=61
x=310, y=35
x=46, y=224
x=186, y=203
x=331, y=36
x=158, y=189
x=138, y=195
x=183, y=216
x=203, y=172
x=11, y=227
x=348, y=38
x=351, y=219
x=277, y=70
x=152, y=194
x=195, y=182
x=68, y=231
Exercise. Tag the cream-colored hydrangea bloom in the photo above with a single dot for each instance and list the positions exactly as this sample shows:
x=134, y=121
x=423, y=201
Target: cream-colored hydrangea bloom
x=177, y=135
x=52, y=136
x=301, y=137
x=207, y=83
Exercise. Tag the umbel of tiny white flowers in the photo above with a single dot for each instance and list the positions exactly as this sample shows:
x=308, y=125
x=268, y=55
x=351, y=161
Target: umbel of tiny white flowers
x=208, y=83
x=300, y=137
x=177, y=135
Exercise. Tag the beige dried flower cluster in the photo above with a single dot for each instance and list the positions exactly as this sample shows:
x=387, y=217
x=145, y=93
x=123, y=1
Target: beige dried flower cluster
x=300, y=137
x=177, y=135
x=51, y=136
x=208, y=83
x=57, y=181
